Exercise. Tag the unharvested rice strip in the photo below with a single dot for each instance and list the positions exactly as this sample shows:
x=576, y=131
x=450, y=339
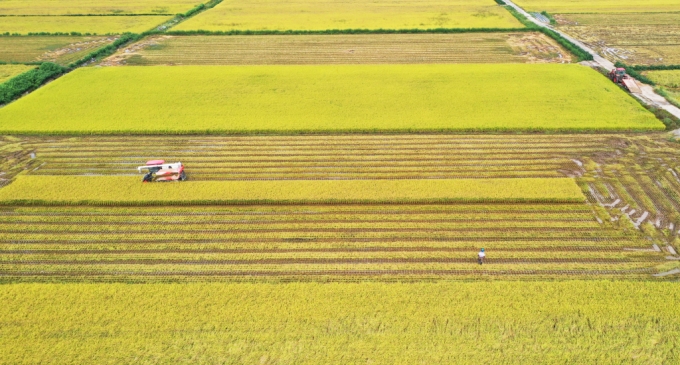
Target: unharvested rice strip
x=267, y=210
x=12, y=228
x=635, y=191
x=320, y=140
x=127, y=166
x=671, y=188
x=348, y=146
x=623, y=193
x=329, y=261
x=609, y=240
x=149, y=221
x=661, y=200
x=127, y=250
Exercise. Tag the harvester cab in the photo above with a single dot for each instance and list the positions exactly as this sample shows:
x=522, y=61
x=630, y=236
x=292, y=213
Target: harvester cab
x=159, y=171
x=617, y=75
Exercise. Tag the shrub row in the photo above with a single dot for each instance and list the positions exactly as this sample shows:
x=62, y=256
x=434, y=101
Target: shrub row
x=655, y=67
x=29, y=81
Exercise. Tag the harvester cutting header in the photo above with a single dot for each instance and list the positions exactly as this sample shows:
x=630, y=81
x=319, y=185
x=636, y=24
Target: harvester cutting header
x=159, y=171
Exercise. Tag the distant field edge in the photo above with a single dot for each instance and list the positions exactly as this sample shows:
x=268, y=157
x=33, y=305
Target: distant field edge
x=129, y=190
x=342, y=31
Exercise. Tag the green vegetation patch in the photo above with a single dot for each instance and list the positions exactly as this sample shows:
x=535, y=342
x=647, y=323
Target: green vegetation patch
x=130, y=190
x=310, y=99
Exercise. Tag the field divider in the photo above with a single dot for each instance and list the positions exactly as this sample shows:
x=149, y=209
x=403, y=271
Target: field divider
x=129, y=190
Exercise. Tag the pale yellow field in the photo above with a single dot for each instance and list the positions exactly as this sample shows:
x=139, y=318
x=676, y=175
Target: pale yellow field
x=80, y=24
x=66, y=7
x=9, y=71
x=351, y=14
x=599, y=6
x=130, y=189
x=669, y=78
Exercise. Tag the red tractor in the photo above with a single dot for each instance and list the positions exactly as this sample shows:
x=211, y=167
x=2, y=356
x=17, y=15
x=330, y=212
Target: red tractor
x=619, y=76
x=159, y=171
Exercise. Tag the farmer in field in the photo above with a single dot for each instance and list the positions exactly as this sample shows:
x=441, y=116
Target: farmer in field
x=481, y=256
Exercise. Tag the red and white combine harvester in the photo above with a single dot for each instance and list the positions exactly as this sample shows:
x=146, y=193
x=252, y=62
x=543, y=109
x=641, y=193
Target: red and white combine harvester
x=619, y=76
x=158, y=171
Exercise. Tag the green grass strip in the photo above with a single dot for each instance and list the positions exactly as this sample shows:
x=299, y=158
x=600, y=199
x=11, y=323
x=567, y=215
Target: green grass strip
x=129, y=190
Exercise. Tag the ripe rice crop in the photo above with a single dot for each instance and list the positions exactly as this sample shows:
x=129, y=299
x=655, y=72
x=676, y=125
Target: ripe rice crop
x=521, y=47
x=303, y=99
x=351, y=14
x=57, y=49
x=568, y=322
x=9, y=71
x=130, y=190
x=80, y=24
x=112, y=7
x=669, y=79
x=599, y=6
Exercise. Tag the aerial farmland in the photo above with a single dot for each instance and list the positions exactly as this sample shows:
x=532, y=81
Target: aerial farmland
x=324, y=182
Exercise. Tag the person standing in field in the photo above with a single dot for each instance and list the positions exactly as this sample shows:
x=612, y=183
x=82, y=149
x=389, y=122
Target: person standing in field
x=481, y=256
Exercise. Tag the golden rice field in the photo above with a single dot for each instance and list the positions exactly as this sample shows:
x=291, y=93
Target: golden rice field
x=669, y=79
x=57, y=49
x=123, y=189
x=635, y=38
x=284, y=15
x=81, y=24
x=9, y=71
x=600, y=6
x=571, y=322
x=298, y=99
x=521, y=47
x=103, y=7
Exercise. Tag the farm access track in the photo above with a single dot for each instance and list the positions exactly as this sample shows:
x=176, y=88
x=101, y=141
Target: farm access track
x=631, y=182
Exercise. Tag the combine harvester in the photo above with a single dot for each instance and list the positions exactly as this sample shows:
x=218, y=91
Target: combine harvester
x=159, y=171
x=619, y=76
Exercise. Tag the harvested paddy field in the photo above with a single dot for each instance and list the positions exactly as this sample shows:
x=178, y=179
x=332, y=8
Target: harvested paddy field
x=626, y=229
x=57, y=49
x=80, y=24
x=99, y=7
x=281, y=15
x=9, y=71
x=600, y=6
x=311, y=99
x=635, y=39
x=521, y=47
x=381, y=323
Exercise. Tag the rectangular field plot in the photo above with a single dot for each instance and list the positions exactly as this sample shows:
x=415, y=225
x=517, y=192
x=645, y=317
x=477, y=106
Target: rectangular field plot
x=636, y=38
x=669, y=81
x=600, y=6
x=80, y=24
x=9, y=71
x=340, y=242
x=57, y=49
x=336, y=323
x=284, y=15
x=343, y=49
x=100, y=7
x=298, y=99
x=126, y=190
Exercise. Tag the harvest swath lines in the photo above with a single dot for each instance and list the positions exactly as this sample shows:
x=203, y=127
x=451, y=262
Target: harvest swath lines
x=339, y=242
x=631, y=38
x=58, y=49
x=351, y=14
x=342, y=49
